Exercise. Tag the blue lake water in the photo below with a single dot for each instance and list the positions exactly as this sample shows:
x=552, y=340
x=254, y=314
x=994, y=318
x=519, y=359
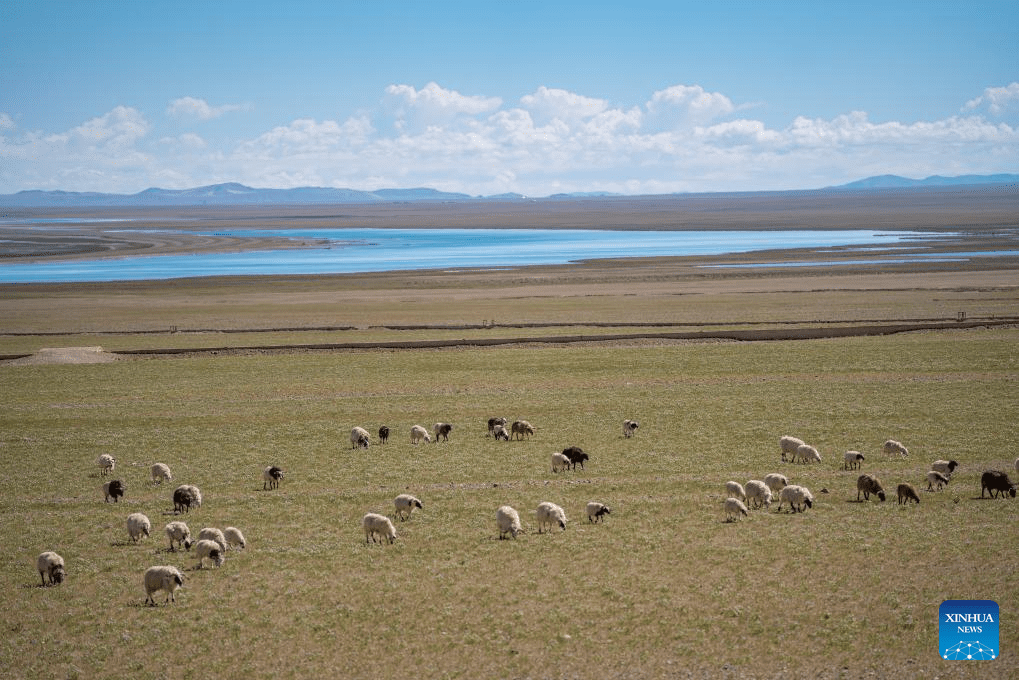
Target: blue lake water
x=372, y=250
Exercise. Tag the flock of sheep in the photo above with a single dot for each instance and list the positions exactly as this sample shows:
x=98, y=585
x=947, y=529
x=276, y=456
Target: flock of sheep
x=759, y=494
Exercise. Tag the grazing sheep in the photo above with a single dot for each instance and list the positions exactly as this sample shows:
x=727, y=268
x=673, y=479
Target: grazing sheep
x=418, y=433
x=996, y=481
x=549, y=513
x=106, y=464
x=208, y=548
x=734, y=509
x=807, y=454
x=629, y=427
x=376, y=524
x=162, y=578
x=499, y=432
x=160, y=473
x=383, y=434
x=596, y=511
x=113, y=489
x=853, y=460
x=271, y=476
x=493, y=422
x=179, y=533
x=213, y=534
x=908, y=493
x=776, y=482
x=867, y=485
x=935, y=477
x=441, y=430
x=50, y=566
x=559, y=462
x=184, y=496
x=359, y=438
x=797, y=497
x=788, y=445
x=576, y=455
x=138, y=525
x=508, y=521
x=891, y=447
x=519, y=428
x=945, y=467
x=758, y=495
x=405, y=503
x=735, y=489
x=234, y=537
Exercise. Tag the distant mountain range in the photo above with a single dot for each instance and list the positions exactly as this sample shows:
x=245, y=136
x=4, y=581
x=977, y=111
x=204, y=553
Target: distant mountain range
x=232, y=193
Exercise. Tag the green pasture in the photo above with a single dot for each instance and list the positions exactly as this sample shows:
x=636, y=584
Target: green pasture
x=665, y=587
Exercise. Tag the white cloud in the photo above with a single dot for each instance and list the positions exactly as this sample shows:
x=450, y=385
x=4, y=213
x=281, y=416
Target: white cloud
x=547, y=104
x=685, y=105
x=199, y=108
x=432, y=105
x=996, y=99
x=6, y=122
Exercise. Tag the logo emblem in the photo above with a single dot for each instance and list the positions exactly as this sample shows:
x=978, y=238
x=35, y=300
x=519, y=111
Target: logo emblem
x=968, y=630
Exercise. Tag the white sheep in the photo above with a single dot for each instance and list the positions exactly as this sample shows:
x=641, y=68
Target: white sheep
x=797, y=497
x=499, y=432
x=776, y=482
x=213, y=534
x=788, y=445
x=359, y=438
x=735, y=489
x=160, y=473
x=935, y=477
x=380, y=525
x=106, y=464
x=50, y=566
x=549, y=513
x=405, y=504
x=891, y=447
x=208, y=548
x=271, y=477
x=596, y=511
x=853, y=460
x=162, y=578
x=559, y=462
x=807, y=453
x=508, y=520
x=138, y=525
x=178, y=533
x=945, y=467
x=234, y=537
x=419, y=434
x=629, y=427
x=758, y=494
x=520, y=428
x=734, y=509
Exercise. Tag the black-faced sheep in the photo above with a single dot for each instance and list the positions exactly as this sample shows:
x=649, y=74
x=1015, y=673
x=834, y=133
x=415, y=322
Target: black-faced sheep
x=383, y=434
x=359, y=438
x=867, y=485
x=113, y=489
x=441, y=430
x=419, y=434
x=160, y=472
x=211, y=549
x=162, y=578
x=852, y=460
x=178, y=533
x=50, y=566
x=576, y=455
x=559, y=462
x=138, y=525
x=520, y=428
x=797, y=497
x=271, y=477
x=945, y=467
x=499, y=432
x=405, y=504
x=492, y=422
x=995, y=482
x=892, y=447
x=378, y=525
x=508, y=521
x=734, y=509
x=907, y=493
x=788, y=446
x=106, y=464
x=596, y=511
x=935, y=477
x=629, y=427
x=550, y=513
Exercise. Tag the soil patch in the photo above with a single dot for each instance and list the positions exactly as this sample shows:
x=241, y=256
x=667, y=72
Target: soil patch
x=66, y=355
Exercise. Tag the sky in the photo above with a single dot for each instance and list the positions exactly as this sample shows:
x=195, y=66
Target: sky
x=497, y=96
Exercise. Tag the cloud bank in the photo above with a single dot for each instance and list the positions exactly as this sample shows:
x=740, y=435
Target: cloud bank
x=680, y=138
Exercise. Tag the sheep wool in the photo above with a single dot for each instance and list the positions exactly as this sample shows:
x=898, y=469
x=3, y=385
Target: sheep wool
x=559, y=462
x=520, y=428
x=162, y=578
x=213, y=534
x=935, y=477
x=758, y=495
x=138, y=525
x=907, y=493
x=853, y=460
x=160, y=472
x=596, y=511
x=50, y=566
x=892, y=447
x=378, y=525
x=271, y=477
x=359, y=438
x=550, y=513
x=995, y=482
x=106, y=464
x=629, y=427
x=807, y=454
x=113, y=489
x=508, y=521
x=945, y=467
x=776, y=482
x=419, y=434
x=867, y=485
x=798, y=497
x=206, y=548
x=405, y=504
x=788, y=446
x=178, y=533
x=441, y=430
x=234, y=537
x=735, y=490
x=734, y=509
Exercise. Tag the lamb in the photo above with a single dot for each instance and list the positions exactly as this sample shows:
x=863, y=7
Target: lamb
x=184, y=496
x=213, y=534
x=50, y=565
x=441, y=430
x=179, y=533
x=596, y=511
x=891, y=446
x=758, y=495
x=735, y=489
x=559, y=462
x=234, y=537
x=271, y=476
x=106, y=464
x=734, y=509
x=807, y=453
x=549, y=513
x=853, y=460
x=776, y=482
x=208, y=548
x=113, y=489
x=138, y=525
x=788, y=445
x=160, y=473
x=499, y=432
x=162, y=578
x=359, y=438
x=629, y=427
x=945, y=467
x=519, y=428
x=383, y=434
x=376, y=524
x=405, y=503
x=797, y=497
x=996, y=481
x=508, y=521
x=417, y=434
x=908, y=493
x=935, y=477
x=493, y=422
x=576, y=455
x=867, y=485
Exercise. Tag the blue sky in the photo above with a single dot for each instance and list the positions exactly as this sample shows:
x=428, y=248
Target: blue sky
x=489, y=97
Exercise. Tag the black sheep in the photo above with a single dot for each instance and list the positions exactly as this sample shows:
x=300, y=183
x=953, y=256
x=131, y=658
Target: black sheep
x=996, y=481
x=113, y=489
x=383, y=434
x=576, y=455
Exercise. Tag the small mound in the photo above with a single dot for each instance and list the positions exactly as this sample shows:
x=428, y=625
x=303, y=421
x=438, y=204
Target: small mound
x=67, y=355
